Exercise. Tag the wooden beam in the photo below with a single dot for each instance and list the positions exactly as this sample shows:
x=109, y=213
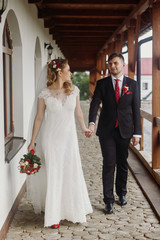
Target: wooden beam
x=83, y=28
x=105, y=17
x=48, y=12
x=90, y=2
x=155, y=85
x=89, y=6
x=48, y=23
x=146, y=115
x=138, y=10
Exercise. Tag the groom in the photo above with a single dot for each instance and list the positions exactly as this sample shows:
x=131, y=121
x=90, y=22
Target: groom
x=119, y=121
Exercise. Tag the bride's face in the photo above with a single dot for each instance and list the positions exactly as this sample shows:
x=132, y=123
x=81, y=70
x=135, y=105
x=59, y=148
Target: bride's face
x=66, y=73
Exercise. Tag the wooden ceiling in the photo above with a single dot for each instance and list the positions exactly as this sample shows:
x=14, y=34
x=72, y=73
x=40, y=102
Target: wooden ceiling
x=82, y=28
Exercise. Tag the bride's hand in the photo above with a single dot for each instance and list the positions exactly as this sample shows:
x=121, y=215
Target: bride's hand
x=31, y=146
x=87, y=132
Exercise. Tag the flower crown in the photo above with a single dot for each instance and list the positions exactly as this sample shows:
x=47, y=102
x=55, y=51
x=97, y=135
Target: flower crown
x=54, y=66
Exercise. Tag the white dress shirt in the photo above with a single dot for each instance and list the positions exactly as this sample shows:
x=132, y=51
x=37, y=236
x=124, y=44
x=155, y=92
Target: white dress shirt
x=120, y=83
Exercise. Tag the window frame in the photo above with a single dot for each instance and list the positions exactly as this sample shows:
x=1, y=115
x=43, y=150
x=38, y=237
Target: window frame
x=7, y=51
x=145, y=86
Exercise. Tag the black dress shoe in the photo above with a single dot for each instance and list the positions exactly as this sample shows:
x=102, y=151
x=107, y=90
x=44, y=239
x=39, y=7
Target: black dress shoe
x=109, y=208
x=122, y=200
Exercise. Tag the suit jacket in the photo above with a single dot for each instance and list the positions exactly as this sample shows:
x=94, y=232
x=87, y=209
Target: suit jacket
x=127, y=110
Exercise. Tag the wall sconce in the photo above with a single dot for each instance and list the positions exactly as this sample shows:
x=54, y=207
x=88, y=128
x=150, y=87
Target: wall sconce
x=3, y=6
x=49, y=49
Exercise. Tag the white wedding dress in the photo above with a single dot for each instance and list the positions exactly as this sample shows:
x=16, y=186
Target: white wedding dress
x=66, y=195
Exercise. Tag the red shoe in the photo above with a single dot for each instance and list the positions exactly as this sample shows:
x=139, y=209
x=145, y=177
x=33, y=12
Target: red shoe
x=55, y=226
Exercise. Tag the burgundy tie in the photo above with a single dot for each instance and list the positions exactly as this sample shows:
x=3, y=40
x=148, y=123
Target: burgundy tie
x=117, y=96
x=117, y=90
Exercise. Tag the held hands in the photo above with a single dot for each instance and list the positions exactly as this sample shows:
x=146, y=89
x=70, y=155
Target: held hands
x=90, y=131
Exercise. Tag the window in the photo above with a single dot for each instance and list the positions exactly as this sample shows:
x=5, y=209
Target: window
x=7, y=78
x=145, y=86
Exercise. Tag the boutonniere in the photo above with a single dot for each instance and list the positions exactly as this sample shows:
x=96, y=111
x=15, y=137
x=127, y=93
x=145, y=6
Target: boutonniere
x=125, y=90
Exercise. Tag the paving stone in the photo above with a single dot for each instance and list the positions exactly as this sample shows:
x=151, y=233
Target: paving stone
x=151, y=220
x=155, y=225
x=52, y=237
x=123, y=238
x=153, y=236
x=90, y=238
x=69, y=235
x=66, y=238
x=77, y=237
x=80, y=233
x=106, y=236
x=140, y=238
x=50, y=231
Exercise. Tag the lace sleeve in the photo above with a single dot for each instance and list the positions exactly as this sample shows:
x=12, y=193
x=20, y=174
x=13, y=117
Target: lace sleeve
x=76, y=90
x=44, y=94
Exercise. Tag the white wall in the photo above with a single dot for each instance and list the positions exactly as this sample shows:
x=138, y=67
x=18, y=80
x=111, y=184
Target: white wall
x=30, y=27
x=146, y=79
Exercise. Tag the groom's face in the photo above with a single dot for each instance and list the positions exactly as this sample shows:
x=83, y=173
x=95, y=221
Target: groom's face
x=115, y=66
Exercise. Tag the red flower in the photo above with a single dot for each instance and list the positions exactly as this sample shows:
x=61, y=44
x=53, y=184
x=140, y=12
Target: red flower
x=31, y=165
x=58, y=66
x=28, y=160
x=32, y=151
x=125, y=90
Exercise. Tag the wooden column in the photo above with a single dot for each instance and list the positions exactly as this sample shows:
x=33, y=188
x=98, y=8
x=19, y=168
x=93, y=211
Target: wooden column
x=122, y=41
x=118, y=44
x=92, y=82
x=131, y=31
x=156, y=85
x=104, y=66
x=99, y=68
x=110, y=48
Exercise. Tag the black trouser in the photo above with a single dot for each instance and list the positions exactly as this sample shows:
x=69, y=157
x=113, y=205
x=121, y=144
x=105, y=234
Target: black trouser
x=115, y=153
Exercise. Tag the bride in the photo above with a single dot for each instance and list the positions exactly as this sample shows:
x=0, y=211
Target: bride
x=59, y=187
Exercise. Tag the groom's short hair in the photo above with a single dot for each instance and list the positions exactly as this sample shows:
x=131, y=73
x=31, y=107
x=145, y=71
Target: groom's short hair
x=113, y=55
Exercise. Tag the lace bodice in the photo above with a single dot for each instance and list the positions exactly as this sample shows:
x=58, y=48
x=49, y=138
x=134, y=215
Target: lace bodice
x=60, y=95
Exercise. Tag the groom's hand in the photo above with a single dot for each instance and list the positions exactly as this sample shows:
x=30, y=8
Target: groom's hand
x=135, y=140
x=91, y=128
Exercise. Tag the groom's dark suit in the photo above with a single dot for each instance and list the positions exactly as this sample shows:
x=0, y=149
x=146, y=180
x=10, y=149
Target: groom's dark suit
x=114, y=141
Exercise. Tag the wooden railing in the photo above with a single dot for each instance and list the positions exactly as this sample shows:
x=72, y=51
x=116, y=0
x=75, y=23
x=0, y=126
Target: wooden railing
x=144, y=156
x=147, y=116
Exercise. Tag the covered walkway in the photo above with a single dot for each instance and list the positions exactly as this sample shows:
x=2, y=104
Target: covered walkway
x=136, y=220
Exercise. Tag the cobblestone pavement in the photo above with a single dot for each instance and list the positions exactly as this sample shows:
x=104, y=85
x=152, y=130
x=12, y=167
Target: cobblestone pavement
x=136, y=220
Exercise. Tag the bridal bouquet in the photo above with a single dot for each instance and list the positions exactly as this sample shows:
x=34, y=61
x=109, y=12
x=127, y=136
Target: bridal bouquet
x=30, y=163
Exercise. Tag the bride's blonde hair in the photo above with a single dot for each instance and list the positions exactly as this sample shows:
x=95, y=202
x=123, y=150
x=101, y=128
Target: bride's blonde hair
x=54, y=66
